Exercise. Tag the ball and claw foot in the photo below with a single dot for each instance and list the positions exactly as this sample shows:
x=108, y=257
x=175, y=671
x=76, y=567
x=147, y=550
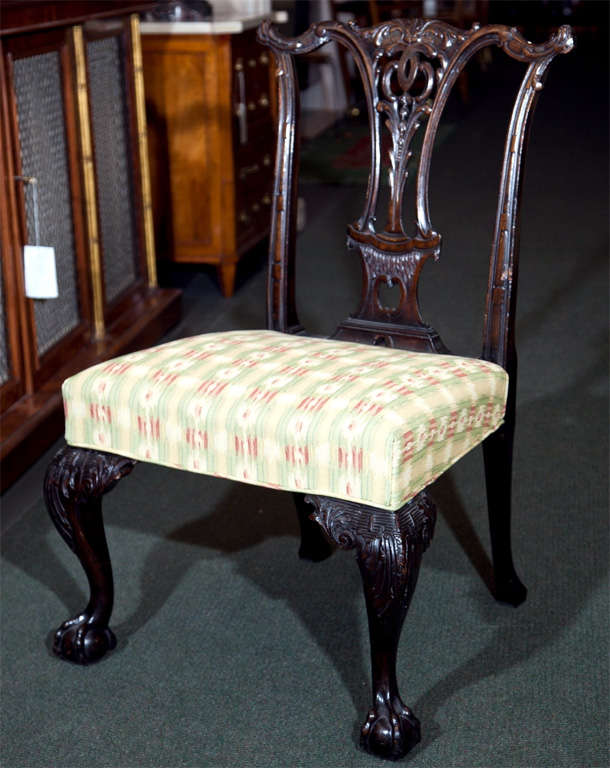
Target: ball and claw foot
x=390, y=730
x=81, y=642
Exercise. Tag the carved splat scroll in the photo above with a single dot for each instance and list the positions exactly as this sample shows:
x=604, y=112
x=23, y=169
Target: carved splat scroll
x=408, y=68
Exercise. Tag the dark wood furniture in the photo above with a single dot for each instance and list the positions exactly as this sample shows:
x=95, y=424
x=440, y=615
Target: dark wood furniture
x=408, y=69
x=72, y=117
x=211, y=143
x=371, y=13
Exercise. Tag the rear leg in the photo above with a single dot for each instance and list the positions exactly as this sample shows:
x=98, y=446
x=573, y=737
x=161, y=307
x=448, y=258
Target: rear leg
x=498, y=456
x=314, y=544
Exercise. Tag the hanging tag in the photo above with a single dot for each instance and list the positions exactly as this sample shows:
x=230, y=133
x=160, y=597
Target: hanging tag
x=38, y=260
x=40, y=272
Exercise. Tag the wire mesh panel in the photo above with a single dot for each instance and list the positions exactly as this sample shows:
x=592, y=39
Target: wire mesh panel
x=38, y=92
x=5, y=372
x=113, y=164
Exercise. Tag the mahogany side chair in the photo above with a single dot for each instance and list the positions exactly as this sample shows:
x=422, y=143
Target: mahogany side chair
x=357, y=425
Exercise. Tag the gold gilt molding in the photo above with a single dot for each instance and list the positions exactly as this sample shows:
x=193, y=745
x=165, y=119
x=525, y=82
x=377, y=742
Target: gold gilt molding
x=138, y=74
x=95, y=261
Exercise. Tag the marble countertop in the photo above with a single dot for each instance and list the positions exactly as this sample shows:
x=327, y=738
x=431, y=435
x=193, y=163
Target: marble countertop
x=217, y=25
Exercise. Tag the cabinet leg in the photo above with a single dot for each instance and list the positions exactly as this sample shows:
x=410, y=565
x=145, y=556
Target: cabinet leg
x=74, y=484
x=226, y=277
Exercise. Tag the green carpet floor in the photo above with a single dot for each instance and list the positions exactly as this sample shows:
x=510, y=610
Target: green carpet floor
x=231, y=651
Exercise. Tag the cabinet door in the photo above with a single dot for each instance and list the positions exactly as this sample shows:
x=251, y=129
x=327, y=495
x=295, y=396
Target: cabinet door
x=12, y=379
x=5, y=367
x=45, y=148
x=11, y=373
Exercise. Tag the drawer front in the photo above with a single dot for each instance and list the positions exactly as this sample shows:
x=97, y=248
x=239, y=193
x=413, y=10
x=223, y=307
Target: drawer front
x=253, y=187
x=251, y=86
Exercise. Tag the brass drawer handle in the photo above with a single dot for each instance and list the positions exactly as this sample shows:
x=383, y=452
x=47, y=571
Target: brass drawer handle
x=263, y=58
x=267, y=160
x=251, y=62
x=240, y=106
x=264, y=100
x=251, y=106
x=244, y=218
x=248, y=169
x=266, y=200
x=256, y=207
x=239, y=65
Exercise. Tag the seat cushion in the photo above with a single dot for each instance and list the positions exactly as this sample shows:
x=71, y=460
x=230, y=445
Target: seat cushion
x=357, y=422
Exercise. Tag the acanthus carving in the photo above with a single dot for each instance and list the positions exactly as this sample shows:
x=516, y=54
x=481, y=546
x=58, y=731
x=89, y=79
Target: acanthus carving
x=401, y=265
x=401, y=268
x=76, y=476
x=437, y=37
x=384, y=541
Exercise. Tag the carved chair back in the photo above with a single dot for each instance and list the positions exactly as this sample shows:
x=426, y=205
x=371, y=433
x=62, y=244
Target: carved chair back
x=408, y=68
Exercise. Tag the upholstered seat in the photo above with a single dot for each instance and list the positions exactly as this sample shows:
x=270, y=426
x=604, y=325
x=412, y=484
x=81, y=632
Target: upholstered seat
x=335, y=418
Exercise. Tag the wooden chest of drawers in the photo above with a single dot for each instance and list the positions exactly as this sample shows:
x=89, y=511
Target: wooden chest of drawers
x=211, y=145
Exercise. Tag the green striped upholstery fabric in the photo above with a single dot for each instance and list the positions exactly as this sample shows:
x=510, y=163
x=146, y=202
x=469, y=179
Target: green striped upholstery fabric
x=357, y=422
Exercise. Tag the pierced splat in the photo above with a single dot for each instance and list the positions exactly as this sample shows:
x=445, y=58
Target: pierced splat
x=408, y=61
x=408, y=68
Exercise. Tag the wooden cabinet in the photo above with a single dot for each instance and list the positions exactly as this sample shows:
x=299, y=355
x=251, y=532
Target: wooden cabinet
x=211, y=143
x=74, y=168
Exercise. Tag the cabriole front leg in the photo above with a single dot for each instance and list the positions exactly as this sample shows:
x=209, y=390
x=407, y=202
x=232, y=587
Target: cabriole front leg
x=73, y=487
x=389, y=548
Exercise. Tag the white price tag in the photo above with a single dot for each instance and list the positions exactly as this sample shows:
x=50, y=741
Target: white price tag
x=40, y=272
